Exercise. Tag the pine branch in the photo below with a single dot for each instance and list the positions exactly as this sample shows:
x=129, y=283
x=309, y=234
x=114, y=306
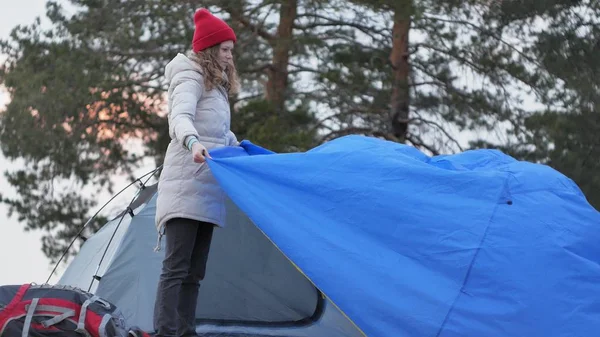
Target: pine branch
x=330, y=22
x=258, y=69
x=439, y=127
x=358, y=110
x=247, y=98
x=418, y=84
x=301, y=68
x=485, y=32
x=418, y=142
x=144, y=53
x=246, y=22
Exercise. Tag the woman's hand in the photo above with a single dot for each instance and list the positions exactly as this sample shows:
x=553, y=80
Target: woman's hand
x=200, y=153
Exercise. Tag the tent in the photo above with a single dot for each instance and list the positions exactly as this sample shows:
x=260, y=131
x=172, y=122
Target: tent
x=361, y=236
x=251, y=289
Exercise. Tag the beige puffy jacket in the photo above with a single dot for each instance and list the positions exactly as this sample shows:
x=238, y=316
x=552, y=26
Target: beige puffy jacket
x=188, y=189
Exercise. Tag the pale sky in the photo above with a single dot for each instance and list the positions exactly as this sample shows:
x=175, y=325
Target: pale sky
x=21, y=258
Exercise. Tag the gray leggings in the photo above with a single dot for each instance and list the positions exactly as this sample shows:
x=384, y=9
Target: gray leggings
x=186, y=253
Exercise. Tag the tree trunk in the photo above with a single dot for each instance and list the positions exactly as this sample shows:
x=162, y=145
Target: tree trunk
x=278, y=73
x=401, y=66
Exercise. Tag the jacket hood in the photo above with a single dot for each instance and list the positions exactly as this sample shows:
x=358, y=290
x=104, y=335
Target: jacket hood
x=180, y=63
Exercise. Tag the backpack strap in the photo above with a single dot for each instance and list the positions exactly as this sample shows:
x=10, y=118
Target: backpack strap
x=29, y=317
x=102, y=329
x=66, y=313
x=81, y=323
x=13, y=308
x=83, y=312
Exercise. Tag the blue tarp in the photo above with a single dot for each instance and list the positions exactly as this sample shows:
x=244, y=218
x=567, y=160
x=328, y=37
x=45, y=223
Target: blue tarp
x=473, y=244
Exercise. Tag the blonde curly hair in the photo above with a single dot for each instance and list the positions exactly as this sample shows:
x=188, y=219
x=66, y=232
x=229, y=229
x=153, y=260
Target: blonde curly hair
x=214, y=74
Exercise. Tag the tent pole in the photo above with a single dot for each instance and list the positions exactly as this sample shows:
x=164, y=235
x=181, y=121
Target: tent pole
x=95, y=215
x=129, y=211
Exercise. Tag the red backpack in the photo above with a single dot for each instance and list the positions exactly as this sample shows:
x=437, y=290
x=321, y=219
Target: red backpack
x=45, y=310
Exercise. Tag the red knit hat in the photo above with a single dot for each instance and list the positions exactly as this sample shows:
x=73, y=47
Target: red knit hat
x=210, y=31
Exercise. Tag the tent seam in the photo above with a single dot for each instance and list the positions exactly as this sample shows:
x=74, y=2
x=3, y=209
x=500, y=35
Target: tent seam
x=483, y=237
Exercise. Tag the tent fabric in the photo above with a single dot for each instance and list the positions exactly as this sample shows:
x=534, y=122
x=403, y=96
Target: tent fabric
x=472, y=244
x=248, y=280
x=99, y=250
x=250, y=289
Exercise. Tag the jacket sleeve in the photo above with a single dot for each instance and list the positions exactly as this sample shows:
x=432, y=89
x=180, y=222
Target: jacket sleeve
x=187, y=88
x=232, y=139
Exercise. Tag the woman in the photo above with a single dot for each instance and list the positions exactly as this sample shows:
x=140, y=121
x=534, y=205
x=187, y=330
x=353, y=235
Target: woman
x=190, y=202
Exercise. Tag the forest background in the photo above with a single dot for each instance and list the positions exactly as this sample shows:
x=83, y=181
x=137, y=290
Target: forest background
x=86, y=89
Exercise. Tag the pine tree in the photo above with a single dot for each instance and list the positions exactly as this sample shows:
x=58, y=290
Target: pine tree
x=87, y=89
x=563, y=133
x=440, y=75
